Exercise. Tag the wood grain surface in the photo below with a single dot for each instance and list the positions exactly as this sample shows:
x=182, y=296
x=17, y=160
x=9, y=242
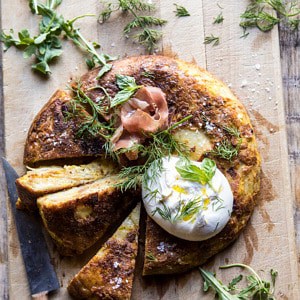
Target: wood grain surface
x=3, y=214
x=290, y=64
x=250, y=66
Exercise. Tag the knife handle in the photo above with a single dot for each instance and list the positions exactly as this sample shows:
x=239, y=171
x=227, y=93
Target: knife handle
x=40, y=296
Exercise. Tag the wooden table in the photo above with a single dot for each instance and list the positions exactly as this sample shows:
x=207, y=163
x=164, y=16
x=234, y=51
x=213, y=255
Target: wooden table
x=290, y=63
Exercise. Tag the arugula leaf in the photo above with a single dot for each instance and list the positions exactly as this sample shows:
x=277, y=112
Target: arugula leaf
x=210, y=281
x=257, y=289
x=234, y=282
x=192, y=172
x=128, y=87
x=47, y=45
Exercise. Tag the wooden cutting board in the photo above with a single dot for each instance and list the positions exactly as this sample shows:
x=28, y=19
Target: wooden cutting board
x=250, y=66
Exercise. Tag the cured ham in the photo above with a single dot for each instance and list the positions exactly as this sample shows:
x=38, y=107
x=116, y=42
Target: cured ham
x=145, y=113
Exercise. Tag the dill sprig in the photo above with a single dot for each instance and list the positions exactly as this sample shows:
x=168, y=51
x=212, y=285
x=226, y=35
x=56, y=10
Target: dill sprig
x=214, y=40
x=189, y=209
x=265, y=14
x=91, y=124
x=181, y=11
x=142, y=26
x=159, y=145
x=164, y=212
x=225, y=150
x=219, y=19
x=232, y=130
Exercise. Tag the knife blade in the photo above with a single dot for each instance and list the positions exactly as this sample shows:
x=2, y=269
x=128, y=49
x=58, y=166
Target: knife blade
x=40, y=272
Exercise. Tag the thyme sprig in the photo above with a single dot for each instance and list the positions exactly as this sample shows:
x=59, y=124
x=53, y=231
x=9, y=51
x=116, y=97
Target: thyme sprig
x=144, y=27
x=265, y=14
x=47, y=44
x=256, y=288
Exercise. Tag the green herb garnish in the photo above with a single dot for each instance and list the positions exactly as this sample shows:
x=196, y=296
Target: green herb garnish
x=191, y=172
x=189, y=209
x=256, y=289
x=159, y=145
x=150, y=256
x=232, y=130
x=47, y=44
x=219, y=19
x=226, y=150
x=92, y=124
x=265, y=14
x=210, y=281
x=181, y=11
x=215, y=40
x=142, y=26
x=127, y=86
x=164, y=212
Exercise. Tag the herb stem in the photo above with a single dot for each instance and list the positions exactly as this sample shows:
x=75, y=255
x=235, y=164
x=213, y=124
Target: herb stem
x=244, y=267
x=178, y=123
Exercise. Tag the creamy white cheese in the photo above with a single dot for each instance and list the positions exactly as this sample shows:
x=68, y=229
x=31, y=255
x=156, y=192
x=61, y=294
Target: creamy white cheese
x=187, y=209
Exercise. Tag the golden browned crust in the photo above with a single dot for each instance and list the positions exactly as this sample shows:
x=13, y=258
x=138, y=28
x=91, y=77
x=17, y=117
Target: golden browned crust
x=77, y=223
x=52, y=137
x=109, y=274
x=188, y=89
x=192, y=91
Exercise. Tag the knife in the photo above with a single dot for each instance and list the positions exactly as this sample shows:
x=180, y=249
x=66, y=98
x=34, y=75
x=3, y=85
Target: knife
x=40, y=272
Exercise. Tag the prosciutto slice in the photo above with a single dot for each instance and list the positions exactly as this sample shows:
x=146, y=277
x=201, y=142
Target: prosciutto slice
x=146, y=112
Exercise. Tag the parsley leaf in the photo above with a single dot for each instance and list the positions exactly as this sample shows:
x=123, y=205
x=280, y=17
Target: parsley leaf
x=127, y=86
x=192, y=172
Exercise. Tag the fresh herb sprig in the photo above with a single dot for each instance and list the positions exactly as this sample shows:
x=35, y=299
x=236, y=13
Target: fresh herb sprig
x=92, y=124
x=150, y=256
x=181, y=11
x=257, y=288
x=214, y=40
x=127, y=86
x=144, y=27
x=226, y=149
x=160, y=144
x=191, y=172
x=219, y=19
x=47, y=45
x=265, y=14
x=189, y=209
